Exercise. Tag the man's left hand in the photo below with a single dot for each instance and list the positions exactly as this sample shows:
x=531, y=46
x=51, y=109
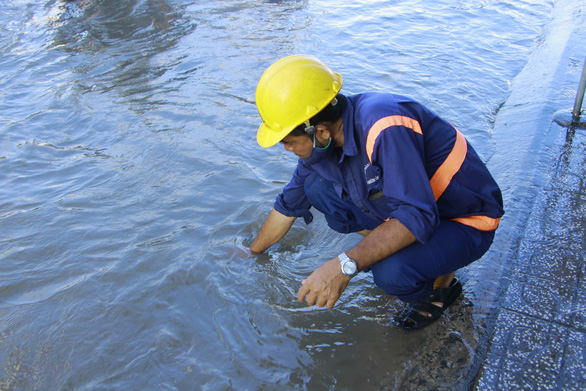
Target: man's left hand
x=324, y=286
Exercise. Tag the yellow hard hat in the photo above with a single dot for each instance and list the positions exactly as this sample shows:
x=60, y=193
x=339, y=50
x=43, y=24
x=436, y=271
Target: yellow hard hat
x=290, y=92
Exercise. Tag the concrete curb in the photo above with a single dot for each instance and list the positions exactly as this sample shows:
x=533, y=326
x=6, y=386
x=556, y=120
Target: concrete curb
x=536, y=336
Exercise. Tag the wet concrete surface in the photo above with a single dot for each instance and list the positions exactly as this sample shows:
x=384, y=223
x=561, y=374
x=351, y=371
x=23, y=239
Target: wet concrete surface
x=537, y=331
x=539, y=335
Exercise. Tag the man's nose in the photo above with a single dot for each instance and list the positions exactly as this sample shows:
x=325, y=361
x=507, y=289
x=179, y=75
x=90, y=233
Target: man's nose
x=288, y=147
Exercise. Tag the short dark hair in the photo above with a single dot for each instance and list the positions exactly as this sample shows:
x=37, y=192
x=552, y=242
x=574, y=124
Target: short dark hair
x=331, y=113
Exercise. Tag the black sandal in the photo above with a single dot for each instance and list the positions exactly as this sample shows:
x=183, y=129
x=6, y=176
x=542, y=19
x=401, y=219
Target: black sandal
x=413, y=318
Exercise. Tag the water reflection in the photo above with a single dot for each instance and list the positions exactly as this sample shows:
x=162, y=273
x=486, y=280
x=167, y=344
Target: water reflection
x=93, y=25
x=131, y=35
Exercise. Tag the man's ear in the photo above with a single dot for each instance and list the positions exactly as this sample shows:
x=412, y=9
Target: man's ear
x=323, y=131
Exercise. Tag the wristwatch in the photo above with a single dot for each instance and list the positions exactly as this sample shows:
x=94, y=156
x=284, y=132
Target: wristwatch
x=347, y=265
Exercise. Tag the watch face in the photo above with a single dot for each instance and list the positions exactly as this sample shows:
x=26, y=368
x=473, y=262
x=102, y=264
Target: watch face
x=349, y=268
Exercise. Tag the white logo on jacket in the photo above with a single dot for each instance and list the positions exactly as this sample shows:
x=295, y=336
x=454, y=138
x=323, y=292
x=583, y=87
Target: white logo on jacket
x=371, y=180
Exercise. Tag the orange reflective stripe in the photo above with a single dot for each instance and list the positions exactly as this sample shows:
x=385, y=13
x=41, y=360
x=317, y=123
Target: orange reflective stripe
x=385, y=123
x=444, y=174
x=482, y=223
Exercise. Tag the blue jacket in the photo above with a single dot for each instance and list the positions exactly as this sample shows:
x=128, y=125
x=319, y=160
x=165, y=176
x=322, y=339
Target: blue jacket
x=400, y=160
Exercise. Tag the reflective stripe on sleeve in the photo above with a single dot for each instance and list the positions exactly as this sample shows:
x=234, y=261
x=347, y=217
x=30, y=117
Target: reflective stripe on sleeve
x=444, y=174
x=387, y=122
x=482, y=223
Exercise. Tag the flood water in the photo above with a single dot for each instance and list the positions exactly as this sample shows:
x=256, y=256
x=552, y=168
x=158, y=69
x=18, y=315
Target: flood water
x=132, y=184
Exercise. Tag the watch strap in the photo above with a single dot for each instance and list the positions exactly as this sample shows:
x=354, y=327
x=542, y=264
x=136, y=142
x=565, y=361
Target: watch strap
x=343, y=259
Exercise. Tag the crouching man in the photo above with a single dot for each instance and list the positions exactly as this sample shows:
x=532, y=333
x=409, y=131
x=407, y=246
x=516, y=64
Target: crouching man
x=386, y=167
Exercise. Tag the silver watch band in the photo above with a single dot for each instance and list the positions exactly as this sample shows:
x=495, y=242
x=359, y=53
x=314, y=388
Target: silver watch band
x=347, y=265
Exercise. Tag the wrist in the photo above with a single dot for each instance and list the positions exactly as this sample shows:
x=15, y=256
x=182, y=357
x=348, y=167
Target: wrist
x=348, y=266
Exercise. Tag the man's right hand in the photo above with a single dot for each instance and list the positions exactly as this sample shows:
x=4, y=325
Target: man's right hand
x=274, y=228
x=324, y=286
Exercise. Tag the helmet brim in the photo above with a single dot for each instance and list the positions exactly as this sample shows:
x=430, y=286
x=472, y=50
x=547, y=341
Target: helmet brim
x=267, y=137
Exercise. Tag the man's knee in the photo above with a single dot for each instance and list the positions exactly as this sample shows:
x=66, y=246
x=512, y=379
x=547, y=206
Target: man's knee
x=390, y=276
x=396, y=278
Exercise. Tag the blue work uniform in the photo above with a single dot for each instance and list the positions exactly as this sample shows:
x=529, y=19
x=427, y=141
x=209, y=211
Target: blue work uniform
x=401, y=161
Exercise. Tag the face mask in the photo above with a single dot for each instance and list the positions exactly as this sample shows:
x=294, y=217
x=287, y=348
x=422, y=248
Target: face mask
x=319, y=153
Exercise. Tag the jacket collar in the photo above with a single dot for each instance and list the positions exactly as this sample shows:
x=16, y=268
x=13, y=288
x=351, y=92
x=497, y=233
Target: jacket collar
x=350, y=147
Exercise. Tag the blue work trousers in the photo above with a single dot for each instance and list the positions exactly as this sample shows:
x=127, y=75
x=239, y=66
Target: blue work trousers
x=409, y=273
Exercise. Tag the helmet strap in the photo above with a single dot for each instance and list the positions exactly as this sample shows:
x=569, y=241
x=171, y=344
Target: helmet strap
x=309, y=129
x=319, y=145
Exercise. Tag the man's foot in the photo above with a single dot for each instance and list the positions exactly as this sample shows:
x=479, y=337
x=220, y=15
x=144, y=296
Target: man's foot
x=444, y=281
x=427, y=311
